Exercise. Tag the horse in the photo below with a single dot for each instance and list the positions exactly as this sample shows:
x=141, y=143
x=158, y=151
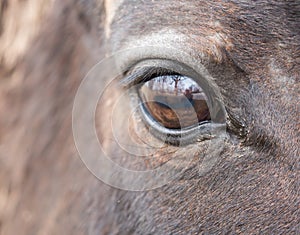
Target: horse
x=241, y=178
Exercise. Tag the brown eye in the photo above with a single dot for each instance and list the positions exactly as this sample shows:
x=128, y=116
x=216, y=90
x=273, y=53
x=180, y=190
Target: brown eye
x=174, y=101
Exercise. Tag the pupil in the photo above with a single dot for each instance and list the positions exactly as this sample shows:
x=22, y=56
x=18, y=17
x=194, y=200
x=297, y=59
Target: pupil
x=175, y=101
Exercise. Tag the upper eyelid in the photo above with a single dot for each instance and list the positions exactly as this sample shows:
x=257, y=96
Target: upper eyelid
x=144, y=74
x=144, y=70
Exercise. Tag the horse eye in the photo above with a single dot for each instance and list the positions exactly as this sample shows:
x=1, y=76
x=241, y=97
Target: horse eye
x=174, y=101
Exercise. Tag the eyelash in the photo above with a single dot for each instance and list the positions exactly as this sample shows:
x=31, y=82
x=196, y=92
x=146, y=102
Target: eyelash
x=142, y=75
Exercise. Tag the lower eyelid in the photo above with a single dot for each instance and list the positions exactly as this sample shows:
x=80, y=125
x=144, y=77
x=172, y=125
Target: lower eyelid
x=182, y=137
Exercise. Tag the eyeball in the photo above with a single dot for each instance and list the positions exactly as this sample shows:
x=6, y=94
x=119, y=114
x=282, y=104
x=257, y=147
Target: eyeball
x=174, y=101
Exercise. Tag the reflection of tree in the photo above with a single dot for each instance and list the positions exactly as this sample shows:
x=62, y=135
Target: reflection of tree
x=173, y=84
x=176, y=79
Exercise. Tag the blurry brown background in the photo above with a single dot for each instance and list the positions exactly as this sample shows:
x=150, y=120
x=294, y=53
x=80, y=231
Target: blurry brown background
x=46, y=48
x=20, y=22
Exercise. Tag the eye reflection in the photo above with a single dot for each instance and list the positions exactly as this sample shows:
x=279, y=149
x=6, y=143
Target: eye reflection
x=174, y=101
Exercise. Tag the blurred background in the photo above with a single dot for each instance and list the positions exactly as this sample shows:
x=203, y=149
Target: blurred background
x=20, y=22
x=46, y=48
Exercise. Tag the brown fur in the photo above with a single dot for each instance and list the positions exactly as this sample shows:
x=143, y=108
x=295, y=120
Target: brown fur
x=253, y=188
